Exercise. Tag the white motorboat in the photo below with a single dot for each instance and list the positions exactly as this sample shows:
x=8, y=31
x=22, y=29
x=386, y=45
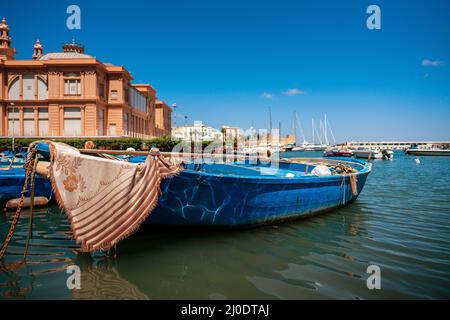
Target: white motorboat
x=373, y=154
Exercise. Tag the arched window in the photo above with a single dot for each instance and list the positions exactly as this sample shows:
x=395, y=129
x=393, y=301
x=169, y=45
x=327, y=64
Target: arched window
x=28, y=88
x=42, y=90
x=13, y=93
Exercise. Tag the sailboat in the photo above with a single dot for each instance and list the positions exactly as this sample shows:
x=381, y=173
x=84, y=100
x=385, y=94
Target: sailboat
x=322, y=137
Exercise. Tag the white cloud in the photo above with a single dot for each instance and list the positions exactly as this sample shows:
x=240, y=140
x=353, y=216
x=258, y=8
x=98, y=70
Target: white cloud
x=432, y=63
x=267, y=95
x=293, y=92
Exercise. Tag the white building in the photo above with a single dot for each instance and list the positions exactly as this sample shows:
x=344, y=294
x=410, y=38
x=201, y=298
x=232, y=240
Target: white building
x=231, y=133
x=197, y=133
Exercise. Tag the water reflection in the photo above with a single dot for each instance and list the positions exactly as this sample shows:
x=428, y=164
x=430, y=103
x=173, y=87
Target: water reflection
x=12, y=287
x=401, y=222
x=101, y=281
x=237, y=264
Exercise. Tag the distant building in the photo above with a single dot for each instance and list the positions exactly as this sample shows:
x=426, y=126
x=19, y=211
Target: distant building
x=289, y=139
x=394, y=145
x=197, y=133
x=231, y=133
x=163, y=116
x=71, y=93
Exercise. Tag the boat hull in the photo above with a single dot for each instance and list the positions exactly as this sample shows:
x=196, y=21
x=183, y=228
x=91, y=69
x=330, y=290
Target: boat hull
x=424, y=152
x=364, y=154
x=339, y=154
x=12, y=181
x=190, y=199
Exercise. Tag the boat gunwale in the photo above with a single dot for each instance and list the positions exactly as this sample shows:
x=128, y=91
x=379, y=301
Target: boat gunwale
x=270, y=179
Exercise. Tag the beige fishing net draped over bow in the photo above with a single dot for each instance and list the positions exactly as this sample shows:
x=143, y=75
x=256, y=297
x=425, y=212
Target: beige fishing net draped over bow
x=106, y=200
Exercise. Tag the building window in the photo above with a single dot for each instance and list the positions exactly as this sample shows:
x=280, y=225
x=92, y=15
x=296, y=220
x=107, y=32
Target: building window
x=28, y=122
x=72, y=121
x=42, y=90
x=101, y=122
x=127, y=95
x=113, y=94
x=138, y=100
x=112, y=129
x=13, y=122
x=43, y=122
x=28, y=87
x=131, y=128
x=101, y=91
x=13, y=93
x=126, y=118
x=72, y=87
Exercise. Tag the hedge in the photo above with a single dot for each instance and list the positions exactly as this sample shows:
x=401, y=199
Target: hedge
x=163, y=143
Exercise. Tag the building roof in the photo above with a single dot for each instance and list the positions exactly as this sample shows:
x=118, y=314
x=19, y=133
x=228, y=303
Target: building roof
x=65, y=55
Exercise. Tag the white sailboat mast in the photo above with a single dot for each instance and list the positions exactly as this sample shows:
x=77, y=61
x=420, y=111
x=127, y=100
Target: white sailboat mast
x=301, y=128
x=331, y=131
x=318, y=134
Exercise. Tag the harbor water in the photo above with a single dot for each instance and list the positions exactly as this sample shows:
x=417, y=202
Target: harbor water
x=400, y=223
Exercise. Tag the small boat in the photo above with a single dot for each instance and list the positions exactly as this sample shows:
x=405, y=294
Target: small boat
x=240, y=193
x=434, y=151
x=298, y=149
x=287, y=148
x=428, y=152
x=315, y=147
x=237, y=195
x=11, y=160
x=12, y=181
x=373, y=153
x=338, y=153
x=311, y=147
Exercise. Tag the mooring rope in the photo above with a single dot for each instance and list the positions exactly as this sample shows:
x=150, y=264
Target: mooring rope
x=29, y=166
x=343, y=189
x=32, y=192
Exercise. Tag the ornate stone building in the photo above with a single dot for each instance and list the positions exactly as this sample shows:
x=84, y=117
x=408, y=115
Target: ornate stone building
x=71, y=93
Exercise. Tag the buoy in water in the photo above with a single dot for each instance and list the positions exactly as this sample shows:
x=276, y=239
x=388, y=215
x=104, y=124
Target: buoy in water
x=417, y=160
x=38, y=202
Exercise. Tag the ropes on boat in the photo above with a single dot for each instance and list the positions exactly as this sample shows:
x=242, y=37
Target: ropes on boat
x=29, y=166
x=32, y=193
x=337, y=168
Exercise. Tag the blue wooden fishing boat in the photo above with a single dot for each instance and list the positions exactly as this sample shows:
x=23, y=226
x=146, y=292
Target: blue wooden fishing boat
x=245, y=194
x=238, y=194
x=11, y=160
x=12, y=181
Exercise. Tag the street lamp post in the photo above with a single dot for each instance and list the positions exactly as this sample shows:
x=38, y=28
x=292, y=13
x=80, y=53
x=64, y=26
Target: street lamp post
x=174, y=106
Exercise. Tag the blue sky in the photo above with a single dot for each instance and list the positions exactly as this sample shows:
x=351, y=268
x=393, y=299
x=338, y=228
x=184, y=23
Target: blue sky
x=216, y=59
